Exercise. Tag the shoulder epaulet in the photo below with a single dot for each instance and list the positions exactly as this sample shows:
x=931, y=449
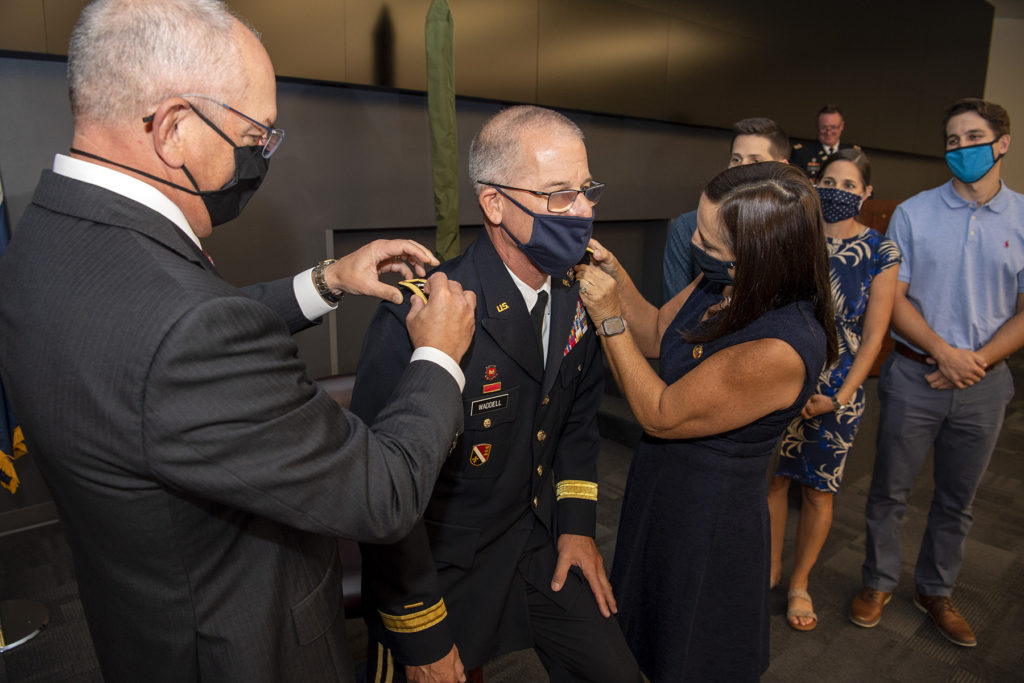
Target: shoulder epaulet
x=415, y=287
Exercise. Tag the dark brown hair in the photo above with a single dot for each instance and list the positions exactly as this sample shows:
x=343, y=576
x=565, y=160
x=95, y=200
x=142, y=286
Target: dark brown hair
x=830, y=109
x=765, y=128
x=997, y=116
x=855, y=157
x=772, y=220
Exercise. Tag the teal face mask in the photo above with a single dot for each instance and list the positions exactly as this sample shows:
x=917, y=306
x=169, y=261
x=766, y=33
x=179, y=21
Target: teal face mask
x=970, y=164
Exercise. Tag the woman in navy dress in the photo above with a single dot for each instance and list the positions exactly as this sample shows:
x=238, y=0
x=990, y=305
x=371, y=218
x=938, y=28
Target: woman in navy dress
x=814, y=448
x=741, y=348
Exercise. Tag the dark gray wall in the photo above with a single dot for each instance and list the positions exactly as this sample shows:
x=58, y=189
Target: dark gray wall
x=358, y=159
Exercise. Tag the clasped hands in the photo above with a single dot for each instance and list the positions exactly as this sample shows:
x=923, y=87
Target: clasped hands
x=957, y=368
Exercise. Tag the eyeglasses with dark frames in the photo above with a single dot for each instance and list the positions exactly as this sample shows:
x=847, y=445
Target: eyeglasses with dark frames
x=269, y=141
x=559, y=201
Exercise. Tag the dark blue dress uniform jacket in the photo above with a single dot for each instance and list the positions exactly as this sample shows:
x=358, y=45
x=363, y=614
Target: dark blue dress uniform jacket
x=524, y=471
x=809, y=156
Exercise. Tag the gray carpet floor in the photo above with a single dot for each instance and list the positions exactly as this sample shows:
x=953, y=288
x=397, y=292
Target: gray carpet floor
x=904, y=647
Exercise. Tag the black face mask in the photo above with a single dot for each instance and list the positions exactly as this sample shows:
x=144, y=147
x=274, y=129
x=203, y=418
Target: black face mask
x=227, y=202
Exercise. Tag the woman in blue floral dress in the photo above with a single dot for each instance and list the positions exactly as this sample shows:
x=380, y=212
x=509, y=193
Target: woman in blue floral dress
x=813, y=450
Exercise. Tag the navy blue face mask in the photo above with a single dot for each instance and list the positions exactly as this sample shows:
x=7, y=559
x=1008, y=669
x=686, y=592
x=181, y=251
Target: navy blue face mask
x=838, y=205
x=970, y=164
x=558, y=241
x=715, y=270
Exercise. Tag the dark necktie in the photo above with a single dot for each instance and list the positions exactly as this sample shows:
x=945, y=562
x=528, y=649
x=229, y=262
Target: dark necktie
x=537, y=314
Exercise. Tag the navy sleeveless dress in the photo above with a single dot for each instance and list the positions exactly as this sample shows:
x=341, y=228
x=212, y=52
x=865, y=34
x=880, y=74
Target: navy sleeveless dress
x=692, y=557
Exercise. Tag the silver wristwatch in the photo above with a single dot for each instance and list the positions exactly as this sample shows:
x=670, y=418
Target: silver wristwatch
x=612, y=326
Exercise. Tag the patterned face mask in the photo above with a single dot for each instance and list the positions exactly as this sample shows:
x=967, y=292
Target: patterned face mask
x=838, y=205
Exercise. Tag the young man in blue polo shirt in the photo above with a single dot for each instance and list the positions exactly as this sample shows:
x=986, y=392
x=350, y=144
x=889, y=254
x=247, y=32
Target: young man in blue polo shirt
x=959, y=313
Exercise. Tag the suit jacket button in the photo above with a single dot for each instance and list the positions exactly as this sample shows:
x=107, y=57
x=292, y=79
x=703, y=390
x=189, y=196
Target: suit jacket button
x=547, y=400
x=579, y=368
x=540, y=470
x=535, y=503
x=487, y=423
x=541, y=435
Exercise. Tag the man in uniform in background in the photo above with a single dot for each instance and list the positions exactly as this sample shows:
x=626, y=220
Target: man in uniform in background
x=810, y=156
x=504, y=558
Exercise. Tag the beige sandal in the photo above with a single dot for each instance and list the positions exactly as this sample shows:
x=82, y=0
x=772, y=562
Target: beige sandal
x=794, y=613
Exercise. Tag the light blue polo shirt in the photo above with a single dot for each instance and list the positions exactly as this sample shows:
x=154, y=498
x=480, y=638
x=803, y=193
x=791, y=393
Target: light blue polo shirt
x=964, y=263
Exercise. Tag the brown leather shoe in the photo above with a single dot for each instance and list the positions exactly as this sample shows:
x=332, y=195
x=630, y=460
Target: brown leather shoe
x=949, y=620
x=866, y=608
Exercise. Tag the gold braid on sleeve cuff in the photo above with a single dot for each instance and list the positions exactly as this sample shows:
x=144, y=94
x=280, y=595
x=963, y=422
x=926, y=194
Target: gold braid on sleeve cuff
x=416, y=621
x=574, y=488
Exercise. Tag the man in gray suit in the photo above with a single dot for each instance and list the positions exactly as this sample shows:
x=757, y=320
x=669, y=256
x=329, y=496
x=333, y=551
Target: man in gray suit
x=199, y=474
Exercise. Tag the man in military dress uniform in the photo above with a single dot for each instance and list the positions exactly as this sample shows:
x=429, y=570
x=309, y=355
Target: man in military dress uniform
x=810, y=156
x=504, y=558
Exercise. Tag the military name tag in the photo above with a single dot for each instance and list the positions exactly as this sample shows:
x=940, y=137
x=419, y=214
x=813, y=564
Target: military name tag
x=489, y=404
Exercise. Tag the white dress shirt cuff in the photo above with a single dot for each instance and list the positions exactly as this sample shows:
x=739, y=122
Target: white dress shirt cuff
x=311, y=303
x=429, y=353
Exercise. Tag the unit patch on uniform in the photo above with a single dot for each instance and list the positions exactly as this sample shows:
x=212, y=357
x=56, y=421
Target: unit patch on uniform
x=490, y=373
x=489, y=404
x=480, y=454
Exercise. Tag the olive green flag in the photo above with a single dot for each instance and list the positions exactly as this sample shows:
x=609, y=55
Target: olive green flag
x=444, y=150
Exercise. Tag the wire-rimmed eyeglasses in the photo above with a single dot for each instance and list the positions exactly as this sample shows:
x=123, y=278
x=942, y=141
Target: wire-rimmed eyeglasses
x=559, y=201
x=269, y=141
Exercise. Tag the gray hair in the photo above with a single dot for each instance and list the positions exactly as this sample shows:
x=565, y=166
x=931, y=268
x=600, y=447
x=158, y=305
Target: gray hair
x=126, y=56
x=494, y=152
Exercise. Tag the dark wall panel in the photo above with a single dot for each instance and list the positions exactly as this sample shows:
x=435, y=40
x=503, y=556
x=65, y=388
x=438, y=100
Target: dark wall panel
x=602, y=56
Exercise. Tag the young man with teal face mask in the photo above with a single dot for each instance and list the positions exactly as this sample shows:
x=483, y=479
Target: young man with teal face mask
x=959, y=313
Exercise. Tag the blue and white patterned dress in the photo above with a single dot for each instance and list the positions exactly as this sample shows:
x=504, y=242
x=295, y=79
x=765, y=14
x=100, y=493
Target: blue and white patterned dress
x=813, y=452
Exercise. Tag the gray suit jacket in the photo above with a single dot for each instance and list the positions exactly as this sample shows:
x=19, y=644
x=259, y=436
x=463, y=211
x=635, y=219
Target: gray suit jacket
x=199, y=474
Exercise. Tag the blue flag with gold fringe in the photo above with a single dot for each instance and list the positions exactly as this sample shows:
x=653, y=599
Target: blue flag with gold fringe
x=12, y=444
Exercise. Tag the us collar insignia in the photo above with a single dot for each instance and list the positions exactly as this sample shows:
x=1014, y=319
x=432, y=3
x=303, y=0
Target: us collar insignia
x=480, y=454
x=416, y=286
x=698, y=351
x=502, y=307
